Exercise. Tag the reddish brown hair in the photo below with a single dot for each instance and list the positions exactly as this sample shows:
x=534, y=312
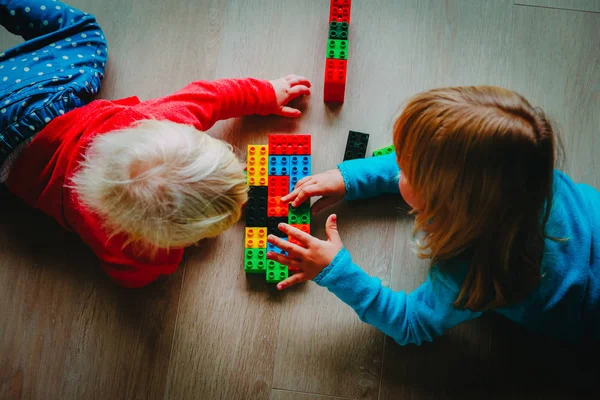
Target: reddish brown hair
x=482, y=160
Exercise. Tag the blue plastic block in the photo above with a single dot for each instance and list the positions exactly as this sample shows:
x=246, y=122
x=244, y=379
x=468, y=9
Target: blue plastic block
x=299, y=168
x=276, y=249
x=279, y=165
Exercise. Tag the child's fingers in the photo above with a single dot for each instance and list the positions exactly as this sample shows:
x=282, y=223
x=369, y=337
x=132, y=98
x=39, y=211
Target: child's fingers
x=296, y=91
x=294, y=80
x=291, y=281
x=290, y=112
x=303, y=237
x=306, y=192
x=323, y=203
x=303, y=181
x=292, y=195
x=294, y=251
x=284, y=260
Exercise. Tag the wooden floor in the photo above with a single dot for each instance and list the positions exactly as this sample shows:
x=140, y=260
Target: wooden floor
x=210, y=332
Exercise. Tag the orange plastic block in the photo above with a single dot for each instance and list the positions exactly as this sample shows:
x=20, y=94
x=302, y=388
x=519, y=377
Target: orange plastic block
x=275, y=208
x=258, y=165
x=339, y=10
x=256, y=238
x=304, y=228
x=334, y=88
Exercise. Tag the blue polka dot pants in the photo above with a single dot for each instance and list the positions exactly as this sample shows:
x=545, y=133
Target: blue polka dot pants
x=59, y=67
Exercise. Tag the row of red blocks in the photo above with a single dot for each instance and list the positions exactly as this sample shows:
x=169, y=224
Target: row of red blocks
x=334, y=87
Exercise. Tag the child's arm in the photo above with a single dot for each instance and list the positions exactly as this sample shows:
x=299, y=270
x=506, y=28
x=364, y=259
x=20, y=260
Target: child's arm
x=203, y=103
x=368, y=177
x=407, y=318
x=352, y=180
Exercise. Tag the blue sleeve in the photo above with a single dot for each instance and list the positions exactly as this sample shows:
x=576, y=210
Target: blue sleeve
x=407, y=318
x=368, y=177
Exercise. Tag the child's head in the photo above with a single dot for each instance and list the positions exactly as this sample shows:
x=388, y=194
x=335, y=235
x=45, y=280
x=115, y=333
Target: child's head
x=162, y=184
x=477, y=166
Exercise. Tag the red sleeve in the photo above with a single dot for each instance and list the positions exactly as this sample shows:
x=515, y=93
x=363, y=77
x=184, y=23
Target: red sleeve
x=129, y=277
x=202, y=103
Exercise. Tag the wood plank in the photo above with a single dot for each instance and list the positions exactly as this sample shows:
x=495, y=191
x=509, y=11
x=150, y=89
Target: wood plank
x=67, y=331
x=580, y=5
x=556, y=66
x=452, y=43
x=287, y=395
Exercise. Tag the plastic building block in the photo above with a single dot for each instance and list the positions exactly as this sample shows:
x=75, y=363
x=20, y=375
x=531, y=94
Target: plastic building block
x=272, y=226
x=255, y=261
x=275, y=249
x=256, y=207
x=304, y=228
x=280, y=144
x=338, y=30
x=256, y=238
x=276, y=272
x=276, y=208
x=356, y=146
x=337, y=49
x=335, y=80
x=279, y=165
x=299, y=215
x=299, y=168
x=278, y=185
x=339, y=10
x=258, y=165
x=384, y=151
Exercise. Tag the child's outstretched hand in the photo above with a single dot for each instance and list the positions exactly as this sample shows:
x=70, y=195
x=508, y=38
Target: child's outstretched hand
x=328, y=184
x=310, y=259
x=289, y=88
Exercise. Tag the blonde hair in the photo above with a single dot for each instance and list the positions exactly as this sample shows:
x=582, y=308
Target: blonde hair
x=162, y=184
x=482, y=161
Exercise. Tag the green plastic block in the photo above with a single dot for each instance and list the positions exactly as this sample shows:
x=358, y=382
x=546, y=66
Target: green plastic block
x=299, y=215
x=384, y=151
x=337, y=49
x=338, y=30
x=276, y=272
x=255, y=261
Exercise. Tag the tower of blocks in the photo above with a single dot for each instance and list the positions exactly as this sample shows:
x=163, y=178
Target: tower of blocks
x=272, y=172
x=337, y=51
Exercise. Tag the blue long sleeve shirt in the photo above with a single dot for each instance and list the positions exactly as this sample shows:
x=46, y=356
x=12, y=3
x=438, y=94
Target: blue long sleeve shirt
x=565, y=304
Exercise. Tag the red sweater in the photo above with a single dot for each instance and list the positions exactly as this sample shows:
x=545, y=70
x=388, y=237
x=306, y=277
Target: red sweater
x=42, y=172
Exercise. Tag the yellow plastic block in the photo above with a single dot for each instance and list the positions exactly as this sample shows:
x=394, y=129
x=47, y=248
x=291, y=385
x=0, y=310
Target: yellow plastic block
x=256, y=238
x=258, y=165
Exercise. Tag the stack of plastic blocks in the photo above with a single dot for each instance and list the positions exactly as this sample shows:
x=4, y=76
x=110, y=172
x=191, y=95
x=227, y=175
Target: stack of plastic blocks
x=337, y=51
x=272, y=172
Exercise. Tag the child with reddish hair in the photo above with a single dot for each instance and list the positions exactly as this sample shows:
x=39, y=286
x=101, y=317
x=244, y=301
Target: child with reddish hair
x=504, y=230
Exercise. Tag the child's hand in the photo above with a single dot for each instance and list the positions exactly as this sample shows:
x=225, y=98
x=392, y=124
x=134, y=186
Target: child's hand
x=289, y=88
x=310, y=259
x=328, y=184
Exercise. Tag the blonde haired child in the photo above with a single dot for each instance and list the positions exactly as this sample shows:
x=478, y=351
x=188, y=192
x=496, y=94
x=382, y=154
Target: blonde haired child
x=503, y=229
x=139, y=181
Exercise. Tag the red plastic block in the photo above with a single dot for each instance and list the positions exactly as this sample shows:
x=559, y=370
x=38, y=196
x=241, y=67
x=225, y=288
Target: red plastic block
x=304, y=228
x=289, y=144
x=278, y=186
x=339, y=10
x=275, y=208
x=335, y=80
